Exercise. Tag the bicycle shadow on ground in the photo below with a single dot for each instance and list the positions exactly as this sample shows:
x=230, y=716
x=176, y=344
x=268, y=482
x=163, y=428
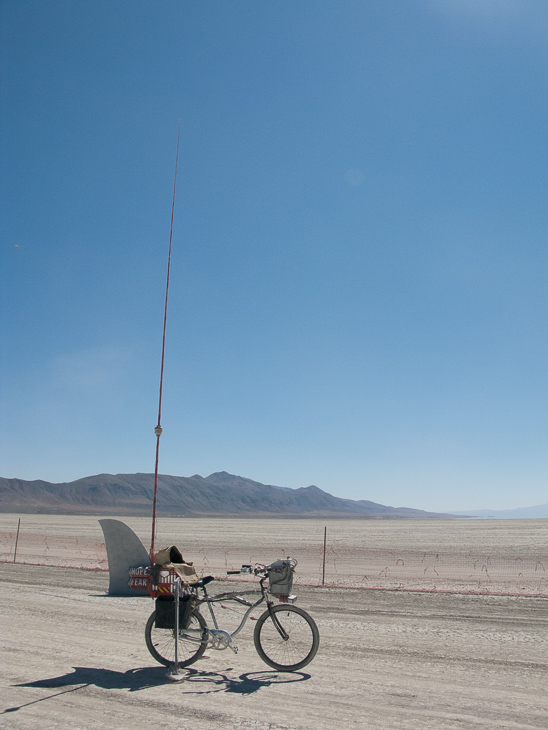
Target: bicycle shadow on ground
x=134, y=680
x=199, y=682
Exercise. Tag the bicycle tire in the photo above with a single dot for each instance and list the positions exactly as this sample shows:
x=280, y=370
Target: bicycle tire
x=293, y=653
x=161, y=642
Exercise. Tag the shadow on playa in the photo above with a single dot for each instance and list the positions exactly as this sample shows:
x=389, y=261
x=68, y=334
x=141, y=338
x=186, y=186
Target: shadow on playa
x=195, y=682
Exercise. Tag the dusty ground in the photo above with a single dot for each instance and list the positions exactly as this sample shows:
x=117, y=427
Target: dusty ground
x=75, y=658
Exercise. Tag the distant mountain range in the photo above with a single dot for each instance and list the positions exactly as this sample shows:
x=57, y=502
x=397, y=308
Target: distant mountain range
x=219, y=494
x=521, y=513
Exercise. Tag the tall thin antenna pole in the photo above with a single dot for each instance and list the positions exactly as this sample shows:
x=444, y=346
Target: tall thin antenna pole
x=158, y=428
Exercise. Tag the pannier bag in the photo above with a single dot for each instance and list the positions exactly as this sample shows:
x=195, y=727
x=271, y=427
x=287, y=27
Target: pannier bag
x=280, y=575
x=165, y=612
x=170, y=557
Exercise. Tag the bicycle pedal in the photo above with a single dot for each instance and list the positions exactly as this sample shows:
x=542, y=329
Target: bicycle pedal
x=234, y=648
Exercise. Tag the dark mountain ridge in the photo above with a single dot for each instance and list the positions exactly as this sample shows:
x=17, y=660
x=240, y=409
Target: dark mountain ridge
x=220, y=494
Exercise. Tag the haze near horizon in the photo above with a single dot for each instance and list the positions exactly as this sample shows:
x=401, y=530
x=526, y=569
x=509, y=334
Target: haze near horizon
x=358, y=294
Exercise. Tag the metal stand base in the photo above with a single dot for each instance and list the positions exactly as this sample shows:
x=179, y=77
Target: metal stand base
x=175, y=675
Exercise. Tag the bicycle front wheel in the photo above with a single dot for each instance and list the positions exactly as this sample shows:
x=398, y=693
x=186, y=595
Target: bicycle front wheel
x=192, y=641
x=287, y=640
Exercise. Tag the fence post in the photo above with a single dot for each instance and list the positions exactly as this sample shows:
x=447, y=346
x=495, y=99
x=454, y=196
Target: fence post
x=16, y=540
x=324, y=544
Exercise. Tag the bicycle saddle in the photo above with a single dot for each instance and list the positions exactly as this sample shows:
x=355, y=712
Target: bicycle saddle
x=204, y=581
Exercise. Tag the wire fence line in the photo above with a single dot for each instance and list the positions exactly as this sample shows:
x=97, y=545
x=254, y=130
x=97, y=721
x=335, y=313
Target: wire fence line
x=51, y=550
x=466, y=571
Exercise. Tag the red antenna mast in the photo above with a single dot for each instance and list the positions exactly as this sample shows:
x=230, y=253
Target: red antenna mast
x=158, y=428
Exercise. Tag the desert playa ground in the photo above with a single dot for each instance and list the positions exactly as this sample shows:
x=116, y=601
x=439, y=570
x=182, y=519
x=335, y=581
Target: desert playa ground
x=483, y=556
x=75, y=658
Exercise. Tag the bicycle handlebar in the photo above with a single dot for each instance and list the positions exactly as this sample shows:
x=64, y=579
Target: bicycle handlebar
x=259, y=568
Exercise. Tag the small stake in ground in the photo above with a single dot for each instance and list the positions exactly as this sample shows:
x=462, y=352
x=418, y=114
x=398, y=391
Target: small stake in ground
x=324, y=545
x=16, y=540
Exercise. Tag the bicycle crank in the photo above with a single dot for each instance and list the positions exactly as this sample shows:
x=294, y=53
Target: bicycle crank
x=221, y=640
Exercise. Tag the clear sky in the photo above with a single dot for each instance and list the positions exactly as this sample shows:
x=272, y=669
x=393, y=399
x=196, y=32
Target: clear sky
x=358, y=295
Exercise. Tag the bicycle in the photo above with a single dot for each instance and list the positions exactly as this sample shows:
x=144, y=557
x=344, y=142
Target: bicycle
x=286, y=637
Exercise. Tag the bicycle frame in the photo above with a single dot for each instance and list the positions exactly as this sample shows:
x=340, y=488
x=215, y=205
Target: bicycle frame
x=220, y=636
x=230, y=596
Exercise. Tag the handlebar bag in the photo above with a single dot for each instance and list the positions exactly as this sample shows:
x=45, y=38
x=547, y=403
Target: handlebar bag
x=280, y=576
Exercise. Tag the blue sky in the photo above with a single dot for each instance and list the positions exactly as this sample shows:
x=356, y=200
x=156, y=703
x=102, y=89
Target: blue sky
x=358, y=294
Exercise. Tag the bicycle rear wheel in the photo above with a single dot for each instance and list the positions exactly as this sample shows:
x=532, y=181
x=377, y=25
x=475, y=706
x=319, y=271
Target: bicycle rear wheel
x=295, y=649
x=192, y=643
